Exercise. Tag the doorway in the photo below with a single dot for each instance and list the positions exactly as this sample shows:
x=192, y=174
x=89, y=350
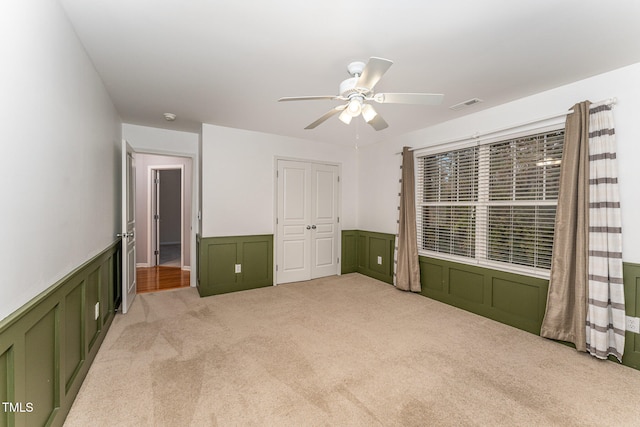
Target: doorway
x=167, y=202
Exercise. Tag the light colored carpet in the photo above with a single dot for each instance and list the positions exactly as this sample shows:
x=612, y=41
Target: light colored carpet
x=340, y=351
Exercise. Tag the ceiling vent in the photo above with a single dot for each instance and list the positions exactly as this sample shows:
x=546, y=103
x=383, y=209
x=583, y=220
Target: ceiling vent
x=464, y=104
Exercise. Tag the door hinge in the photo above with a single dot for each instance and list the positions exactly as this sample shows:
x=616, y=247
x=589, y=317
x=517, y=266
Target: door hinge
x=156, y=252
x=276, y=221
x=156, y=217
x=338, y=219
x=338, y=260
x=156, y=181
x=277, y=174
x=276, y=267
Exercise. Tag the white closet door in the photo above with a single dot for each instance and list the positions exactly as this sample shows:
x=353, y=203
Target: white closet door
x=307, y=225
x=294, y=213
x=324, y=221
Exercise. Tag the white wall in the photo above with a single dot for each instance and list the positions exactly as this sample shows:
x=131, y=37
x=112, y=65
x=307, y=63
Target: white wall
x=60, y=157
x=377, y=201
x=238, y=178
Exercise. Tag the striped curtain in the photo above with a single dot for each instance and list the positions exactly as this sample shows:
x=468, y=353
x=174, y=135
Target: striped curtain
x=605, y=324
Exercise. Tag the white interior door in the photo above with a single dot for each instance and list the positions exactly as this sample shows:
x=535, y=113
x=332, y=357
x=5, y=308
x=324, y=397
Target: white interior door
x=324, y=220
x=307, y=221
x=128, y=233
x=294, y=221
x=155, y=207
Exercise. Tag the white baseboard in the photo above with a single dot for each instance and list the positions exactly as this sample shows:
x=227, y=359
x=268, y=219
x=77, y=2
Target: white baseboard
x=142, y=265
x=186, y=267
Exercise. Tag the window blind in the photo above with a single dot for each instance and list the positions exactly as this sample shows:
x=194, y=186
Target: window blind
x=447, y=195
x=493, y=203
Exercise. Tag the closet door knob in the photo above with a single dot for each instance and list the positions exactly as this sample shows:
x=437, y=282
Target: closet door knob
x=308, y=227
x=313, y=226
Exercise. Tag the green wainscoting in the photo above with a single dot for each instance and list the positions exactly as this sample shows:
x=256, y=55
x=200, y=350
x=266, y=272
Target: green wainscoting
x=218, y=256
x=631, y=274
x=361, y=251
x=349, y=257
x=506, y=297
x=47, y=346
x=513, y=299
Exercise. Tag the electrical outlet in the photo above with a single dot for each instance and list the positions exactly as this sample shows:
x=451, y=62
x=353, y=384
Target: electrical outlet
x=238, y=268
x=379, y=260
x=633, y=324
x=97, y=311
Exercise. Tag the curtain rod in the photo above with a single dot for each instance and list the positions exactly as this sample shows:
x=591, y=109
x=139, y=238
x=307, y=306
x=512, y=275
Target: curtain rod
x=608, y=101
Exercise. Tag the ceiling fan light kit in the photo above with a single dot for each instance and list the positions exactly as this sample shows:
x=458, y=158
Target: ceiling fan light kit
x=368, y=113
x=345, y=117
x=359, y=88
x=355, y=106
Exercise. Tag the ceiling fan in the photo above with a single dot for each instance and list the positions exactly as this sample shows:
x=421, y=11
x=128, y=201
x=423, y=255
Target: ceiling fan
x=358, y=90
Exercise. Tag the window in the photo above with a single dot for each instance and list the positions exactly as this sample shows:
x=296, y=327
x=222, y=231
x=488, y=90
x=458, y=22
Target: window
x=491, y=204
x=449, y=199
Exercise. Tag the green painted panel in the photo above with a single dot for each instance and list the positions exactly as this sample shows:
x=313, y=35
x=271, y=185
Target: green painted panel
x=219, y=255
x=370, y=245
x=198, y=259
x=92, y=294
x=41, y=381
x=518, y=299
x=636, y=306
x=466, y=285
x=631, y=274
x=431, y=277
x=4, y=385
x=256, y=267
x=106, y=292
x=363, y=251
x=73, y=342
x=379, y=255
x=222, y=259
x=349, y=257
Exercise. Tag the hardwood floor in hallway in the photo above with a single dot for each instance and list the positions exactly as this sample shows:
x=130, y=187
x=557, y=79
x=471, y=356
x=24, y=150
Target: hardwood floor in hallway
x=160, y=278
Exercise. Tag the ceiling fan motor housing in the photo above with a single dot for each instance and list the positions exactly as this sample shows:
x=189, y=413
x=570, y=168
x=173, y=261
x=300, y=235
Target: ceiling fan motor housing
x=348, y=87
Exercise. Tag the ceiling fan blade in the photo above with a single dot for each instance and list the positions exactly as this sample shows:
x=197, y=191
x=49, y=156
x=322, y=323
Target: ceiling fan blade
x=308, y=98
x=327, y=116
x=409, y=98
x=378, y=123
x=373, y=72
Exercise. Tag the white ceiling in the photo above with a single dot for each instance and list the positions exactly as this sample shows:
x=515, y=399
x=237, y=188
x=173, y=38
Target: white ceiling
x=227, y=62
